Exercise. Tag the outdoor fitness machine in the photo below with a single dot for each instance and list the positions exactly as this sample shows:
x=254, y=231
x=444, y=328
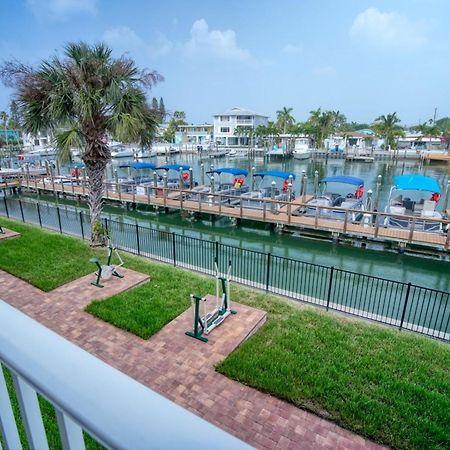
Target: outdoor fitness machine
x=108, y=270
x=205, y=323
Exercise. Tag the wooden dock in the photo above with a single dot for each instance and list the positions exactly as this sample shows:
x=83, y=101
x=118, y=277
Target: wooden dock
x=273, y=211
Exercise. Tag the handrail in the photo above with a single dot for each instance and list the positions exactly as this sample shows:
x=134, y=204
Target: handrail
x=115, y=409
x=281, y=203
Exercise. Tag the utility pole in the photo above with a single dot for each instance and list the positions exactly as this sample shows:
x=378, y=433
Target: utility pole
x=434, y=117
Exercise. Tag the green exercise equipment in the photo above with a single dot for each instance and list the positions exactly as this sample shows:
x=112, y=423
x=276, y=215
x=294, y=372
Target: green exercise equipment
x=108, y=270
x=206, y=321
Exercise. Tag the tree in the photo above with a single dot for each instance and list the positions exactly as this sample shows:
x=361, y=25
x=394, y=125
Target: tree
x=82, y=97
x=4, y=118
x=155, y=105
x=284, y=119
x=162, y=109
x=322, y=124
x=245, y=131
x=178, y=118
x=429, y=129
x=14, y=120
x=387, y=127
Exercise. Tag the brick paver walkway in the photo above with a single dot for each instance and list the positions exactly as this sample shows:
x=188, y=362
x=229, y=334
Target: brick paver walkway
x=179, y=367
x=8, y=234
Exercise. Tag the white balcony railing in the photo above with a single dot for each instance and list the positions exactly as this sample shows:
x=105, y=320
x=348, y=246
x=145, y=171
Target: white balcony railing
x=89, y=395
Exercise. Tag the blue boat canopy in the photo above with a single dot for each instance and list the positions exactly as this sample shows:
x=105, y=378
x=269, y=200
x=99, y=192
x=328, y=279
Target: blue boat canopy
x=343, y=179
x=232, y=170
x=416, y=183
x=275, y=173
x=139, y=165
x=176, y=167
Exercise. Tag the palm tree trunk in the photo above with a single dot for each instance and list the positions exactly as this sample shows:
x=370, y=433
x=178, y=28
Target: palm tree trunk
x=96, y=171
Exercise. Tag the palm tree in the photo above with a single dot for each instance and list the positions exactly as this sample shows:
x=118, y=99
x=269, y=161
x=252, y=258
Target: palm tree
x=427, y=129
x=389, y=129
x=4, y=118
x=84, y=97
x=285, y=119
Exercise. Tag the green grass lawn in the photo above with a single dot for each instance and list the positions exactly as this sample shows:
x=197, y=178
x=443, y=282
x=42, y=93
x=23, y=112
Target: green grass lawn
x=391, y=386
x=44, y=258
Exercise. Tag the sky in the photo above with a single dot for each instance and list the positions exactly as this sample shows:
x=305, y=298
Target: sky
x=363, y=58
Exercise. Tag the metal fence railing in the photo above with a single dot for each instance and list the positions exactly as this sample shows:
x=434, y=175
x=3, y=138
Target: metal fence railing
x=404, y=305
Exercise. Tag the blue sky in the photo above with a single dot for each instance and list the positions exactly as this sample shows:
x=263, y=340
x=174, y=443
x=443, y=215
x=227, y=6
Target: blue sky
x=364, y=58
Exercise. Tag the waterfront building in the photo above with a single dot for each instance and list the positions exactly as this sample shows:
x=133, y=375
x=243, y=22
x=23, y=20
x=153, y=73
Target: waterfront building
x=194, y=134
x=227, y=124
x=418, y=141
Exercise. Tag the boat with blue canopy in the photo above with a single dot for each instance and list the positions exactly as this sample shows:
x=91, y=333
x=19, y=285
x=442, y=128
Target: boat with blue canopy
x=339, y=191
x=183, y=171
x=231, y=181
x=414, y=198
x=265, y=189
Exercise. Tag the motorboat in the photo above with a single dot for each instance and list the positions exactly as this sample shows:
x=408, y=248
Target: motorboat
x=174, y=173
x=301, y=149
x=231, y=182
x=139, y=182
x=120, y=151
x=256, y=198
x=414, y=198
x=343, y=192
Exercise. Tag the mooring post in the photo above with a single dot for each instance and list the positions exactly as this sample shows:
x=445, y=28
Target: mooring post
x=191, y=179
x=213, y=187
x=165, y=188
x=446, y=198
x=272, y=197
x=289, y=205
x=202, y=168
x=377, y=193
x=305, y=181
x=155, y=182
x=316, y=183
x=252, y=171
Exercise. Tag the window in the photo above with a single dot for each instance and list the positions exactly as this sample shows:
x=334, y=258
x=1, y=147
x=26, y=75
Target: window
x=224, y=118
x=224, y=129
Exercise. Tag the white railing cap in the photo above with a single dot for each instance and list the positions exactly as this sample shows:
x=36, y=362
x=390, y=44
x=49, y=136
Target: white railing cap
x=117, y=410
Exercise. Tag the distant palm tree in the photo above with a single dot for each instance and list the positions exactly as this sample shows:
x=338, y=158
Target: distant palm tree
x=82, y=98
x=429, y=129
x=285, y=119
x=4, y=119
x=387, y=127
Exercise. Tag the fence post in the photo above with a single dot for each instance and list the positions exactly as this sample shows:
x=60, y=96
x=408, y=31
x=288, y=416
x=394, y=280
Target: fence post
x=330, y=284
x=21, y=210
x=39, y=214
x=268, y=272
x=106, y=225
x=137, y=239
x=6, y=204
x=81, y=225
x=217, y=251
x=405, y=305
x=59, y=219
x=173, y=249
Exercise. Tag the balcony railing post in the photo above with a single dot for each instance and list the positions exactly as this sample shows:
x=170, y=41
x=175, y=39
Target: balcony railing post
x=8, y=427
x=330, y=285
x=70, y=432
x=268, y=272
x=405, y=304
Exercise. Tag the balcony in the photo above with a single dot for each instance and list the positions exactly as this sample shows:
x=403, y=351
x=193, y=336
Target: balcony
x=244, y=121
x=88, y=395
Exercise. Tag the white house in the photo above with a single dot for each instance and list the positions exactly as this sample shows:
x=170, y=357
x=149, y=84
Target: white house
x=194, y=134
x=226, y=123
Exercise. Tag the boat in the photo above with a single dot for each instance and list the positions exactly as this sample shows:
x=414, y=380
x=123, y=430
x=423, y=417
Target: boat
x=120, y=151
x=255, y=198
x=232, y=153
x=414, y=198
x=138, y=182
x=340, y=191
x=231, y=185
x=301, y=149
x=183, y=172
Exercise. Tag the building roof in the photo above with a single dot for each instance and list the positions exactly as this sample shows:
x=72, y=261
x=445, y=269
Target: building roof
x=236, y=111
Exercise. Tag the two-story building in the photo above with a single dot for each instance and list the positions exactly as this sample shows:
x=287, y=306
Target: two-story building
x=227, y=124
x=194, y=134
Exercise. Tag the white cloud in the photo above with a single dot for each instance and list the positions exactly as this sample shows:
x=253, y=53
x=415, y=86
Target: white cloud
x=213, y=43
x=325, y=71
x=61, y=9
x=291, y=49
x=124, y=40
x=386, y=29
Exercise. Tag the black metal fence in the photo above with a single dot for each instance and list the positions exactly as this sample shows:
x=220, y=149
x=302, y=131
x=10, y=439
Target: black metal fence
x=403, y=305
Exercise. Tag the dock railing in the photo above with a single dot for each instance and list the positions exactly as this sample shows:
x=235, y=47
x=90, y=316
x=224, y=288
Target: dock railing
x=372, y=224
x=401, y=304
x=88, y=395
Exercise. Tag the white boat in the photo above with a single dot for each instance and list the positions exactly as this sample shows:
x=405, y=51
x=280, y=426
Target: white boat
x=120, y=151
x=415, y=197
x=48, y=151
x=342, y=192
x=301, y=149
